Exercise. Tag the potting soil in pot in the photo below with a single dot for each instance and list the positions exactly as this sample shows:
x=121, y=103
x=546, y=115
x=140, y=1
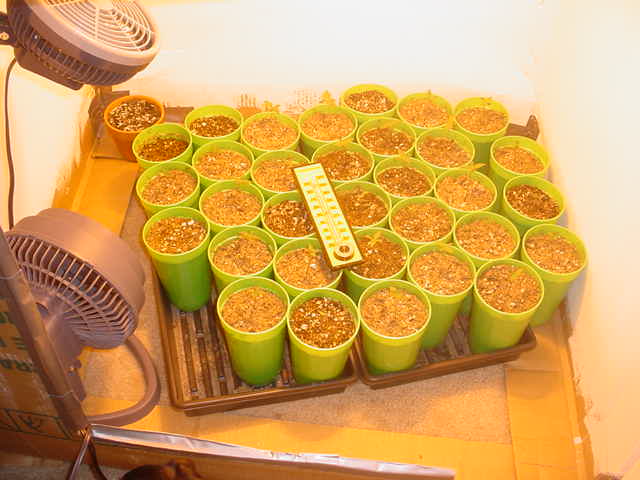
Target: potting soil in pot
x=386, y=140
x=481, y=120
x=485, y=239
x=361, y=207
x=394, y=312
x=509, y=288
x=133, y=115
x=422, y=222
x=554, y=253
x=518, y=160
x=222, y=165
x=424, y=112
x=169, y=187
x=322, y=322
x=213, y=126
x=244, y=255
x=443, y=152
x=289, y=219
x=532, y=202
x=269, y=133
x=344, y=165
x=382, y=257
x=441, y=273
x=369, y=101
x=464, y=193
x=404, y=181
x=176, y=235
x=162, y=147
x=327, y=126
x=305, y=268
x=231, y=207
x=276, y=175
x=253, y=309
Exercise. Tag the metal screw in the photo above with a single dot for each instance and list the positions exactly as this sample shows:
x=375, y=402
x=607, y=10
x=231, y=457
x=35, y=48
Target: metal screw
x=4, y=36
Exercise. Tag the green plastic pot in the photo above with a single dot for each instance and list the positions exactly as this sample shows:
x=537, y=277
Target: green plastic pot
x=368, y=187
x=283, y=118
x=186, y=277
x=386, y=354
x=163, y=129
x=223, y=279
x=491, y=329
x=241, y=185
x=483, y=179
x=351, y=147
x=310, y=144
x=151, y=208
x=416, y=164
x=457, y=137
x=555, y=284
x=276, y=199
x=354, y=283
x=437, y=99
x=313, y=364
x=481, y=142
x=444, y=308
x=394, y=123
x=522, y=222
x=295, y=245
x=255, y=356
x=209, y=111
x=217, y=145
x=411, y=201
x=275, y=155
x=501, y=175
x=363, y=117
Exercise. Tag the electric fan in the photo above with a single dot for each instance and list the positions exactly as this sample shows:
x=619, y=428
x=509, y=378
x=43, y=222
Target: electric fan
x=88, y=287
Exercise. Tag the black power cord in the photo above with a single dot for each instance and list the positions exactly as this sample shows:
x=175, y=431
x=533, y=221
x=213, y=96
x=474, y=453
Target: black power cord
x=7, y=137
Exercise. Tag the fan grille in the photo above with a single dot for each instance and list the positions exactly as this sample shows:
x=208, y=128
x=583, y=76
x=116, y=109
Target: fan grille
x=91, y=306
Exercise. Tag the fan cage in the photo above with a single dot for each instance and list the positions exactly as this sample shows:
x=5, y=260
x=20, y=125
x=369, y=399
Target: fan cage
x=93, y=308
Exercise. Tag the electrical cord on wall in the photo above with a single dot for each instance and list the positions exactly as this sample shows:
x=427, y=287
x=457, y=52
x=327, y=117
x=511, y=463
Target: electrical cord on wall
x=7, y=136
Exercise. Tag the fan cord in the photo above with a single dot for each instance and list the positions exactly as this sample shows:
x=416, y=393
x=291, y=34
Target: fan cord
x=7, y=136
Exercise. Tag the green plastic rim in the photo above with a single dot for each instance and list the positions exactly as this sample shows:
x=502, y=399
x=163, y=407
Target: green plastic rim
x=416, y=164
x=295, y=245
x=417, y=200
x=444, y=308
x=227, y=235
x=386, y=354
x=355, y=283
x=556, y=284
x=283, y=118
x=363, y=117
x=209, y=111
x=524, y=222
x=275, y=155
x=437, y=99
x=274, y=200
x=494, y=217
x=350, y=147
x=163, y=129
x=457, y=137
x=242, y=185
x=190, y=200
x=311, y=144
x=394, y=123
x=215, y=146
x=256, y=357
x=483, y=179
x=501, y=175
x=368, y=187
x=492, y=329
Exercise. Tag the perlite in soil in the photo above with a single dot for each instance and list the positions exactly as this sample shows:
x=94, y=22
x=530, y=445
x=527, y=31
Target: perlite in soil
x=231, y=207
x=386, y=141
x=289, y=219
x=133, y=115
x=485, y=239
x=463, y=192
x=253, y=309
x=382, y=257
x=394, y=312
x=305, y=268
x=276, y=175
x=443, y=152
x=222, y=165
x=422, y=222
x=369, y=101
x=322, y=322
x=424, y=112
x=245, y=255
x=509, y=288
x=404, y=181
x=532, y=202
x=327, y=126
x=162, y=147
x=175, y=235
x=441, y=273
x=361, y=207
x=553, y=253
x=269, y=133
x=343, y=165
x=518, y=160
x=169, y=187
x=481, y=120
x=213, y=126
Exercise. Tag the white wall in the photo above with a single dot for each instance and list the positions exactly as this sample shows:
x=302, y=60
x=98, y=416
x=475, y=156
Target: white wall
x=587, y=73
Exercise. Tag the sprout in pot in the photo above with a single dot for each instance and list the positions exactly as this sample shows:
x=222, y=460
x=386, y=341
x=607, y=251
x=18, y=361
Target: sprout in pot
x=369, y=101
x=223, y=164
x=322, y=322
x=134, y=115
x=485, y=239
x=481, y=120
x=386, y=138
x=253, y=309
x=441, y=273
x=383, y=258
x=270, y=131
x=288, y=218
x=169, y=187
x=273, y=171
x=509, y=288
x=444, y=151
x=344, y=163
x=362, y=208
x=465, y=191
x=518, y=160
x=422, y=222
x=175, y=235
x=532, y=202
x=244, y=255
x=424, y=110
x=394, y=312
x=231, y=207
x=305, y=268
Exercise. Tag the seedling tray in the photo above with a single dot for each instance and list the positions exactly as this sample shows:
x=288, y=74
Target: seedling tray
x=452, y=356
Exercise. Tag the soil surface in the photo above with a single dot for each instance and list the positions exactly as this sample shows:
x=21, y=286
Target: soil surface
x=213, y=126
x=323, y=323
x=245, y=255
x=532, y=202
x=424, y=113
x=404, y=181
x=345, y=165
x=327, y=126
x=289, y=219
x=386, y=141
x=554, y=253
x=162, y=147
x=361, y=207
x=382, y=257
x=222, y=165
x=253, y=309
x=509, y=288
x=305, y=268
x=231, y=207
x=134, y=115
x=269, y=133
x=464, y=192
x=169, y=187
x=518, y=159
x=481, y=120
x=276, y=175
x=394, y=312
x=441, y=273
x=422, y=222
x=369, y=101
x=485, y=239
x=443, y=152
x=176, y=235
